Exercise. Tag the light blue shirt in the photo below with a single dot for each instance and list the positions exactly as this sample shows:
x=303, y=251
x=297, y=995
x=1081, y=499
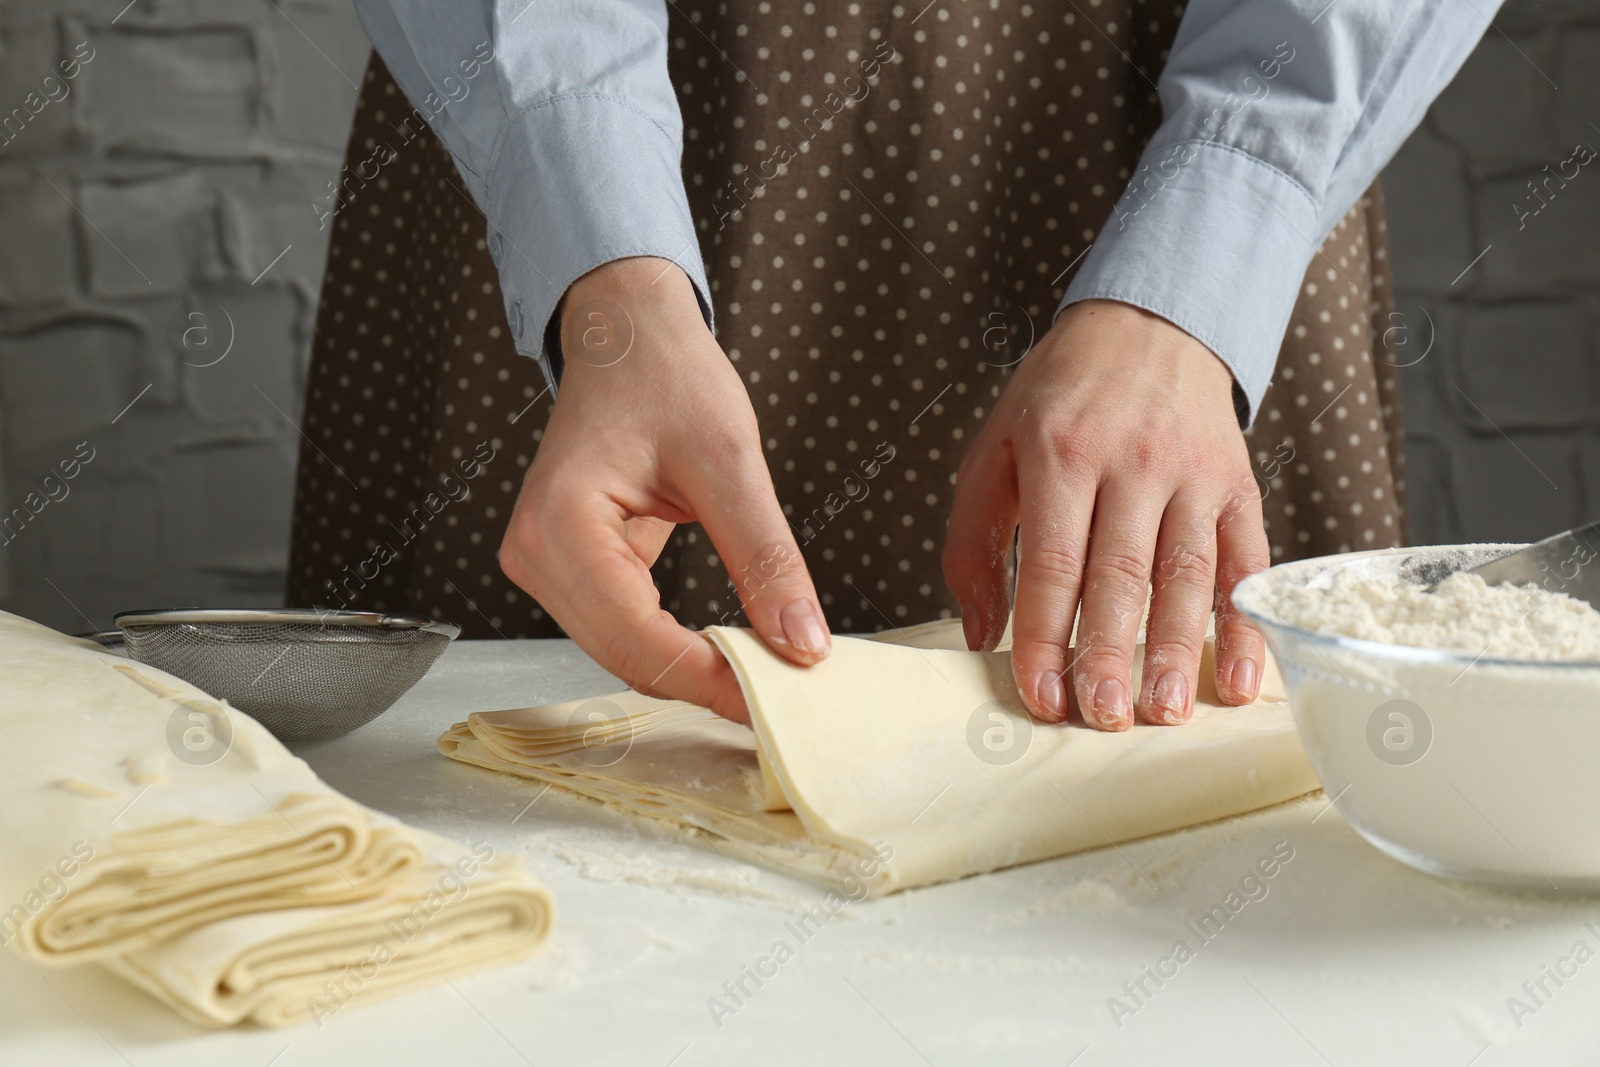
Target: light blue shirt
x=1277, y=115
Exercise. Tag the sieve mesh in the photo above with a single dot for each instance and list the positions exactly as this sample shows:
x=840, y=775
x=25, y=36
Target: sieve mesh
x=301, y=680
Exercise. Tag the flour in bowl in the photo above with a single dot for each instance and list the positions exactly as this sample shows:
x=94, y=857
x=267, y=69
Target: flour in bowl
x=1463, y=614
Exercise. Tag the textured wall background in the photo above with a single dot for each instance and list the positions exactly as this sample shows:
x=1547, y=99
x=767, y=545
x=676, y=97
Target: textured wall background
x=1502, y=414
x=183, y=160
x=189, y=151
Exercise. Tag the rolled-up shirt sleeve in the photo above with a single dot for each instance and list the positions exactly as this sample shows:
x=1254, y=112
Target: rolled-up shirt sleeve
x=563, y=123
x=1277, y=114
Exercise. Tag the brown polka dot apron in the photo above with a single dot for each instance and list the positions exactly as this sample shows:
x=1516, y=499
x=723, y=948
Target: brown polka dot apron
x=890, y=206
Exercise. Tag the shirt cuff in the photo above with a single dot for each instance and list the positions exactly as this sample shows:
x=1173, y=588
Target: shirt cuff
x=1214, y=241
x=577, y=182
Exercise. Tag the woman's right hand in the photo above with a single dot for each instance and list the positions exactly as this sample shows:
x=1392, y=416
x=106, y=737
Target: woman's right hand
x=652, y=427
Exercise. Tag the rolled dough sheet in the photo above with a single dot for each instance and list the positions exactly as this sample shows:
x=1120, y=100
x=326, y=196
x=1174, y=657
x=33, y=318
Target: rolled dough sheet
x=229, y=888
x=457, y=913
x=883, y=750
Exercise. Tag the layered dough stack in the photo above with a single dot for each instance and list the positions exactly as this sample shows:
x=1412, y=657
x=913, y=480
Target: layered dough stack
x=231, y=886
x=903, y=760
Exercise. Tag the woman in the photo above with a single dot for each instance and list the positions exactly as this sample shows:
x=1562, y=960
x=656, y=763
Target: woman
x=886, y=212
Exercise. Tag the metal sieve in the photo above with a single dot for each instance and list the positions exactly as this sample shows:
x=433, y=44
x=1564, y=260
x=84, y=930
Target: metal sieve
x=302, y=673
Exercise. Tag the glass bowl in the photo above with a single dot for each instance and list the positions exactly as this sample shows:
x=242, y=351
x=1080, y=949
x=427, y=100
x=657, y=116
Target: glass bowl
x=1463, y=766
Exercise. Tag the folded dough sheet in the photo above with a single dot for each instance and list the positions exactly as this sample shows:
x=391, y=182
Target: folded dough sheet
x=903, y=759
x=239, y=887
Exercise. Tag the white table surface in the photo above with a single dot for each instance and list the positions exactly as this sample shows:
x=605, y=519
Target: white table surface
x=1351, y=958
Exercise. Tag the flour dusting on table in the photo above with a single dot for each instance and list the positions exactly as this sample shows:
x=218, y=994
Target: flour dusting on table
x=602, y=862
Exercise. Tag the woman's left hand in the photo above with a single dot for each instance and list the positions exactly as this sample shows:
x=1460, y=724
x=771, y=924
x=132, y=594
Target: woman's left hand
x=1116, y=451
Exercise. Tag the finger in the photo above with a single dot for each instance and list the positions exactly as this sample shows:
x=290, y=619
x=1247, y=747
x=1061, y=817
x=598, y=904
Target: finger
x=1241, y=551
x=1057, y=493
x=982, y=521
x=1183, y=587
x=732, y=496
x=1122, y=540
x=603, y=597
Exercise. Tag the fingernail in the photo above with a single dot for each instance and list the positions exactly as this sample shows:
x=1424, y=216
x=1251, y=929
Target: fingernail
x=1244, y=678
x=1171, y=698
x=1053, y=695
x=802, y=626
x=972, y=627
x=1110, y=705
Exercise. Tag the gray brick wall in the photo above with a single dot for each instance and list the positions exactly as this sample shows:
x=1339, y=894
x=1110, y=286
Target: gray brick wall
x=186, y=154
x=180, y=161
x=1503, y=413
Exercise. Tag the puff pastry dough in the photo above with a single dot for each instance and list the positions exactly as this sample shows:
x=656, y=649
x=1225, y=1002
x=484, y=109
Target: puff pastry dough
x=885, y=748
x=234, y=888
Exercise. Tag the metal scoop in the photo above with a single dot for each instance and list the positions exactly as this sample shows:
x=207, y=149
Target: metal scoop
x=1561, y=564
x=302, y=673
x=1566, y=563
